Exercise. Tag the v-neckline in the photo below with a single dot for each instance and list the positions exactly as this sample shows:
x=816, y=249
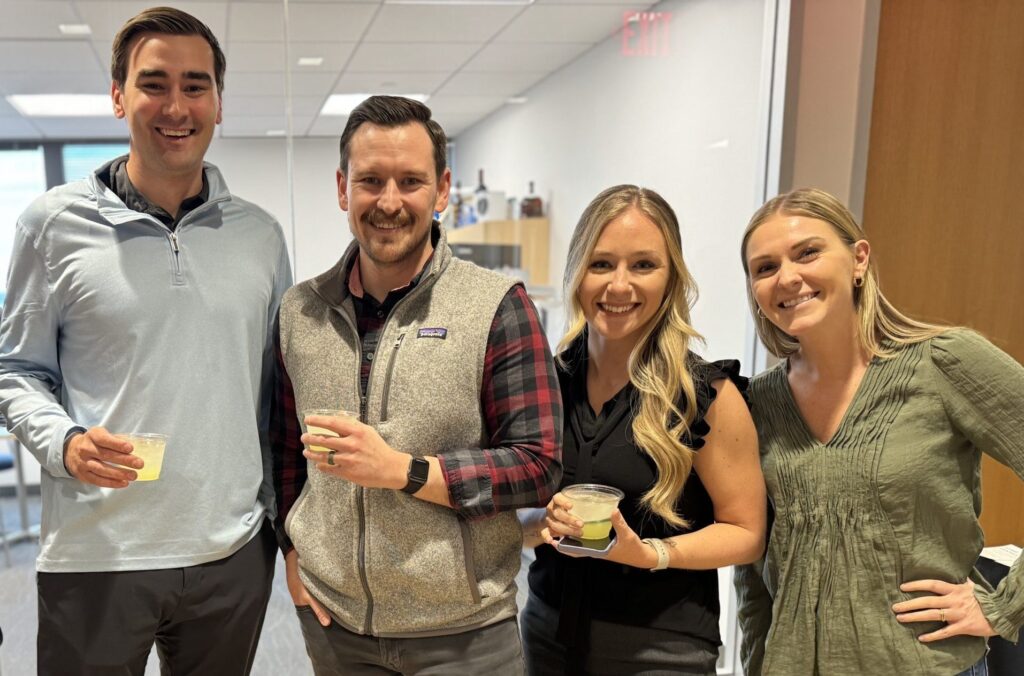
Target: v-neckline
x=850, y=407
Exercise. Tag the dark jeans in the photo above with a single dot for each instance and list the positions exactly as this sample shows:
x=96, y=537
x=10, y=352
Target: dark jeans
x=979, y=669
x=204, y=619
x=494, y=650
x=615, y=649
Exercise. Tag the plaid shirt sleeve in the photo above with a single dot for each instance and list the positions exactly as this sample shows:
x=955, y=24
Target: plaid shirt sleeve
x=285, y=447
x=522, y=407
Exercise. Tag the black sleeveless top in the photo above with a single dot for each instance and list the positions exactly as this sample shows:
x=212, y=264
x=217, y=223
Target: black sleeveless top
x=601, y=449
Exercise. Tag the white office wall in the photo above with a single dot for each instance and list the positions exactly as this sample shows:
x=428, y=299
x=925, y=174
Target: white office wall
x=684, y=124
x=257, y=170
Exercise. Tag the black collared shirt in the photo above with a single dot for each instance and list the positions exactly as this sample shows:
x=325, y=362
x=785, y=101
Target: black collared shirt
x=116, y=178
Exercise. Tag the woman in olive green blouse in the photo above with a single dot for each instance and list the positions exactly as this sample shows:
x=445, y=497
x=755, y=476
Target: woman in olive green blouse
x=871, y=431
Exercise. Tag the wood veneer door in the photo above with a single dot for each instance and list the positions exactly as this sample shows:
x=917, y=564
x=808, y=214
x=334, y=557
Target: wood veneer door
x=945, y=184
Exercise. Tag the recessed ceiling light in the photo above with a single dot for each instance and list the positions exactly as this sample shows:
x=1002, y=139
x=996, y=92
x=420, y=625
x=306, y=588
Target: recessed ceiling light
x=62, y=105
x=75, y=29
x=516, y=100
x=342, y=104
x=275, y=132
x=311, y=60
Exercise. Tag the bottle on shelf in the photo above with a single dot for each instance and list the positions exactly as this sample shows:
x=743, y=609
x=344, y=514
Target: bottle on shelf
x=480, y=194
x=531, y=206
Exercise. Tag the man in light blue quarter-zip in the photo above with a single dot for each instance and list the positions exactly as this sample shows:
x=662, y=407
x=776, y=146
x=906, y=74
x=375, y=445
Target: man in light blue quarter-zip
x=142, y=300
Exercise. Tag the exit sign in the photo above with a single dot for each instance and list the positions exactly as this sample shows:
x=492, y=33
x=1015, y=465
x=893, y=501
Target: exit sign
x=645, y=33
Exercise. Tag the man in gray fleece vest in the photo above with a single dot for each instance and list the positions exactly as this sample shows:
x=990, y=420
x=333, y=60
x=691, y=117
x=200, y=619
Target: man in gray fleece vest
x=143, y=299
x=401, y=541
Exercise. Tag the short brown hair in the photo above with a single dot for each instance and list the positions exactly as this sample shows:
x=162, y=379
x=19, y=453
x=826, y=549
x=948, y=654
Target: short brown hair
x=394, y=111
x=165, y=21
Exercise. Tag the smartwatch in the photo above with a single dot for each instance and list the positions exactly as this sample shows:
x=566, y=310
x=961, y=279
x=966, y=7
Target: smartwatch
x=418, y=471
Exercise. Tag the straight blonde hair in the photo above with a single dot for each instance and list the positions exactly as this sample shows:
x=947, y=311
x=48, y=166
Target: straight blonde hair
x=657, y=365
x=882, y=329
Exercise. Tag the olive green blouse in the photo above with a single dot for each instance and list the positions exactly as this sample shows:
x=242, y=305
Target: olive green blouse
x=894, y=496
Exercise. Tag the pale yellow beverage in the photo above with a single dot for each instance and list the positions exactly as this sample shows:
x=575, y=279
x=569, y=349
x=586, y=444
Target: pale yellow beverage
x=323, y=432
x=593, y=504
x=150, y=449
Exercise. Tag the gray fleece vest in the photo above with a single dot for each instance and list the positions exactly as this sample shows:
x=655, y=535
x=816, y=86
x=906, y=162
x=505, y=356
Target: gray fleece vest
x=383, y=562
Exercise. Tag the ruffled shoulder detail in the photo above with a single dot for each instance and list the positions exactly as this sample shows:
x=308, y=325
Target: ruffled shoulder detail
x=705, y=373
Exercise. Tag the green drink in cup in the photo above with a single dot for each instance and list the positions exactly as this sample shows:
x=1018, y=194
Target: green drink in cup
x=150, y=449
x=593, y=504
x=323, y=432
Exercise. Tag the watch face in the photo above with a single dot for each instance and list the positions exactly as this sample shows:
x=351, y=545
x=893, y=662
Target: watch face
x=418, y=471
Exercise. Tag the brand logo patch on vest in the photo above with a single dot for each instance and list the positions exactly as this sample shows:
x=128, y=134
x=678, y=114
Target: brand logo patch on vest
x=432, y=333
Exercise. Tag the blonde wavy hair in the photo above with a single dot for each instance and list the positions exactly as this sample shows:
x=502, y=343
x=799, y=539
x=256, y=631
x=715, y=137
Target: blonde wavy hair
x=882, y=329
x=658, y=362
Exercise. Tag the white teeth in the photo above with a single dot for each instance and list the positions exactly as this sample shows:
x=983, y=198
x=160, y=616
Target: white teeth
x=617, y=309
x=176, y=132
x=799, y=299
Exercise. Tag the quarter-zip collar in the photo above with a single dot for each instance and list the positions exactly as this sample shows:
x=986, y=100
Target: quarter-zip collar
x=114, y=210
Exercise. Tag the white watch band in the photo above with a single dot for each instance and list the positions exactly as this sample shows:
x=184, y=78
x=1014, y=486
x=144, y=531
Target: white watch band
x=662, y=551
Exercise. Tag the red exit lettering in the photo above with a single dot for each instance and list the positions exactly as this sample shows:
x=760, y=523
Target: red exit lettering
x=645, y=33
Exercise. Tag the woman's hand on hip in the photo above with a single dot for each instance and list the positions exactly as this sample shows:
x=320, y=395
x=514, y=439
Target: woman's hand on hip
x=954, y=604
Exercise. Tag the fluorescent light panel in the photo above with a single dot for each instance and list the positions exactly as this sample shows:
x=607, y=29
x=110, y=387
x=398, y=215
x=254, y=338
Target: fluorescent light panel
x=62, y=105
x=311, y=60
x=75, y=29
x=342, y=104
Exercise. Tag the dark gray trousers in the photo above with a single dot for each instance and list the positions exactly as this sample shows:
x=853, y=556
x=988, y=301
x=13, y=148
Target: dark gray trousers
x=204, y=619
x=494, y=650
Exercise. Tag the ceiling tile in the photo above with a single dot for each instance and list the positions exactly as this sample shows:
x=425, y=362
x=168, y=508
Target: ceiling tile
x=259, y=125
x=490, y=84
x=82, y=127
x=409, y=57
x=566, y=23
x=510, y=57
x=328, y=125
x=106, y=18
x=272, y=84
x=434, y=23
x=64, y=82
x=270, y=56
x=26, y=20
x=389, y=83
x=17, y=127
x=320, y=22
x=40, y=56
x=464, y=105
x=236, y=106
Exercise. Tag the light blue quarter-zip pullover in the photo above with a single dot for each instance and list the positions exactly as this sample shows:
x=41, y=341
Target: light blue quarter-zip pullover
x=112, y=319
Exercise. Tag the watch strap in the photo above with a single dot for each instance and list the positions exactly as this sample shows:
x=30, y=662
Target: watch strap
x=662, y=551
x=419, y=469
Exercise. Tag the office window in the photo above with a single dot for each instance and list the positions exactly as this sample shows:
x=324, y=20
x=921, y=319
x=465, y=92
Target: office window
x=22, y=179
x=80, y=160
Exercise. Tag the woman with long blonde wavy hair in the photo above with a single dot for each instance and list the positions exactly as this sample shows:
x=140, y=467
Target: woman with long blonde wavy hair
x=646, y=416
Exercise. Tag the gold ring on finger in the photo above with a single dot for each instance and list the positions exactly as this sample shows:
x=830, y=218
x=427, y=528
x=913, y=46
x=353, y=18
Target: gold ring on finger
x=942, y=615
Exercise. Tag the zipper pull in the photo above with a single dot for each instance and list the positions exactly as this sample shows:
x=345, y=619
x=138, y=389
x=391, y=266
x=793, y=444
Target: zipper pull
x=174, y=242
x=398, y=341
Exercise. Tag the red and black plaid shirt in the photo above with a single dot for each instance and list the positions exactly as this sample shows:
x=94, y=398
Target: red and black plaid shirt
x=522, y=409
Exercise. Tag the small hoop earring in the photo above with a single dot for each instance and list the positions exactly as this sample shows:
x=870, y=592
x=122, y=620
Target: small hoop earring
x=858, y=282
x=759, y=313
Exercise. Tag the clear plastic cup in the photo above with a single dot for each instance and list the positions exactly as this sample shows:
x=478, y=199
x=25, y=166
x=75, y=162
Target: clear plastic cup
x=323, y=432
x=150, y=449
x=593, y=504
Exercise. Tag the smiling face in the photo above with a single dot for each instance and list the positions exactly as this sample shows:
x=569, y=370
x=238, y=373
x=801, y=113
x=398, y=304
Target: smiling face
x=802, y=274
x=626, y=278
x=391, y=190
x=170, y=101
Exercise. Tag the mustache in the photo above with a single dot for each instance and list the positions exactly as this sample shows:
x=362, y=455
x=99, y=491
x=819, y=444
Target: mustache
x=379, y=218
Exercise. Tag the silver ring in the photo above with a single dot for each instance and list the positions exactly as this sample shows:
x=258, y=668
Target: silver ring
x=330, y=457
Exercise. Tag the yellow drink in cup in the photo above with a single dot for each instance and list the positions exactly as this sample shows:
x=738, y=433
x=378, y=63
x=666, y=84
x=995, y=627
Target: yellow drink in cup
x=593, y=504
x=329, y=412
x=150, y=449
